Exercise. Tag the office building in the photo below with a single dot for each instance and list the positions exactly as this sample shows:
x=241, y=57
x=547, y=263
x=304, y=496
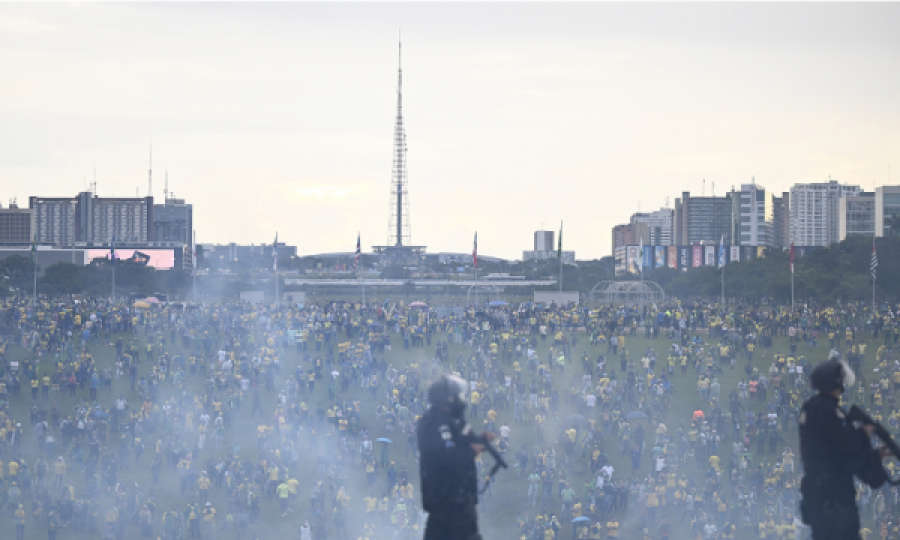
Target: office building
x=815, y=212
x=887, y=211
x=659, y=226
x=174, y=222
x=751, y=219
x=54, y=220
x=781, y=221
x=630, y=234
x=15, y=225
x=856, y=215
x=702, y=219
x=87, y=218
x=543, y=241
x=544, y=248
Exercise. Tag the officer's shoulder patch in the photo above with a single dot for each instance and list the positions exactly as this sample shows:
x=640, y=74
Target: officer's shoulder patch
x=840, y=413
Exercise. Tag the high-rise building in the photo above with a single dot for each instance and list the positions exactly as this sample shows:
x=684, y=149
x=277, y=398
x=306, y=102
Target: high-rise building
x=856, y=215
x=87, y=218
x=887, y=211
x=630, y=234
x=815, y=212
x=15, y=225
x=751, y=220
x=781, y=221
x=543, y=241
x=54, y=220
x=702, y=219
x=544, y=249
x=659, y=226
x=174, y=222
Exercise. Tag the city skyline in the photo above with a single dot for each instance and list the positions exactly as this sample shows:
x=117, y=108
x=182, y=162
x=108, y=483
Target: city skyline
x=516, y=115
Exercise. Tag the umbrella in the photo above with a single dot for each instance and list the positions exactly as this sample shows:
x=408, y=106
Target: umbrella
x=418, y=304
x=635, y=414
x=498, y=303
x=151, y=300
x=580, y=519
x=143, y=305
x=384, y=440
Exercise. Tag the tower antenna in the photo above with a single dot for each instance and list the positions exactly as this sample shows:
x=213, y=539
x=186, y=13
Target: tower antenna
x=398, y=227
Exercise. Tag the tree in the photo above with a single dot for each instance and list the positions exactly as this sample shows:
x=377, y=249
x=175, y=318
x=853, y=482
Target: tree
x=63, y=278
x=18, y=273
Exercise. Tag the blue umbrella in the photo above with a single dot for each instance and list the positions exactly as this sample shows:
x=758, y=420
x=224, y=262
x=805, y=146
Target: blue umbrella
x=579, y=519
x=384, y=441
x=498, y=303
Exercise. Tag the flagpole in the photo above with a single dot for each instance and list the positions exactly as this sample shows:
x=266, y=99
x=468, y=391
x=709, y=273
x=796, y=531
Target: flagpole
x=34, y=286
x=559, y=253
x=874, y=264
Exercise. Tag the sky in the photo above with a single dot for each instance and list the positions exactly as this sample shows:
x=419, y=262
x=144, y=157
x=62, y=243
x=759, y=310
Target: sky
x=279, y=117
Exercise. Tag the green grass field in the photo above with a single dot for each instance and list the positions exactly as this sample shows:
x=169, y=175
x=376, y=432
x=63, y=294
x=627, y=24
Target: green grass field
x=509, y=491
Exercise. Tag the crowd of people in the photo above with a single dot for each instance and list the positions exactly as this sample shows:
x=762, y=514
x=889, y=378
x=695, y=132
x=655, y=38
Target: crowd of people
x=691, y=432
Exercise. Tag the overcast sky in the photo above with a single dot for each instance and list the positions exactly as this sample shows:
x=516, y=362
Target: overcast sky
x=279, y=117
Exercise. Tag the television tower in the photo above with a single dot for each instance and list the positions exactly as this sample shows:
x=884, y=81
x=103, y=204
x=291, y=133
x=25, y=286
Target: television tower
x=398, y=227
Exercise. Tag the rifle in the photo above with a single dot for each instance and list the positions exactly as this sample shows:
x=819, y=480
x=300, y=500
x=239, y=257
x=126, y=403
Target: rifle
x=858, y=415
x=499, y=462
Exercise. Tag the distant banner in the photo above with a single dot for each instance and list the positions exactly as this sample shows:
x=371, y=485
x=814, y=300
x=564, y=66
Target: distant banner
x=735, y=254
x=659, y=256
x=673, y=257
x=709, y=255
x=648, y=258
x=634, y=259
x=749, y=253
x=761, y=252
x=684, y=258
x=697, y=258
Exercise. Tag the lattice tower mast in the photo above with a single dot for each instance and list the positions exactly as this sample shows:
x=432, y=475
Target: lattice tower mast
x=398, y=227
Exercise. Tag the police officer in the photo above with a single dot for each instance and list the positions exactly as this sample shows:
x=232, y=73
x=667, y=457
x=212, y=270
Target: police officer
x=447, y=463
x=829, y=446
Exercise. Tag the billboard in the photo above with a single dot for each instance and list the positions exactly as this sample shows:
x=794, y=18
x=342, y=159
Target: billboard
x=161, y=259
x=735, y=254
x=684, y=258
x=634, y=259
x=672, y=252
x=749, y=253
x=659, y=257
x=648, y=258
x=709, y=253
x=697, y=256
x=761, y=252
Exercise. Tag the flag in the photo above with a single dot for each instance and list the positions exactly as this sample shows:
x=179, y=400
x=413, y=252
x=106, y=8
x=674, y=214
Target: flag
x=475, y=252
x=874, y=264
x=722, y=252
x=356, y=259
x=791, y=257
x=112, y=251
x=275, y=253
x=559, y=243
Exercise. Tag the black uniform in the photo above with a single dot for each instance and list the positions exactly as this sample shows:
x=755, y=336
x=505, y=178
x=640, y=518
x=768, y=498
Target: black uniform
x=449, y=481
x=828, y=447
